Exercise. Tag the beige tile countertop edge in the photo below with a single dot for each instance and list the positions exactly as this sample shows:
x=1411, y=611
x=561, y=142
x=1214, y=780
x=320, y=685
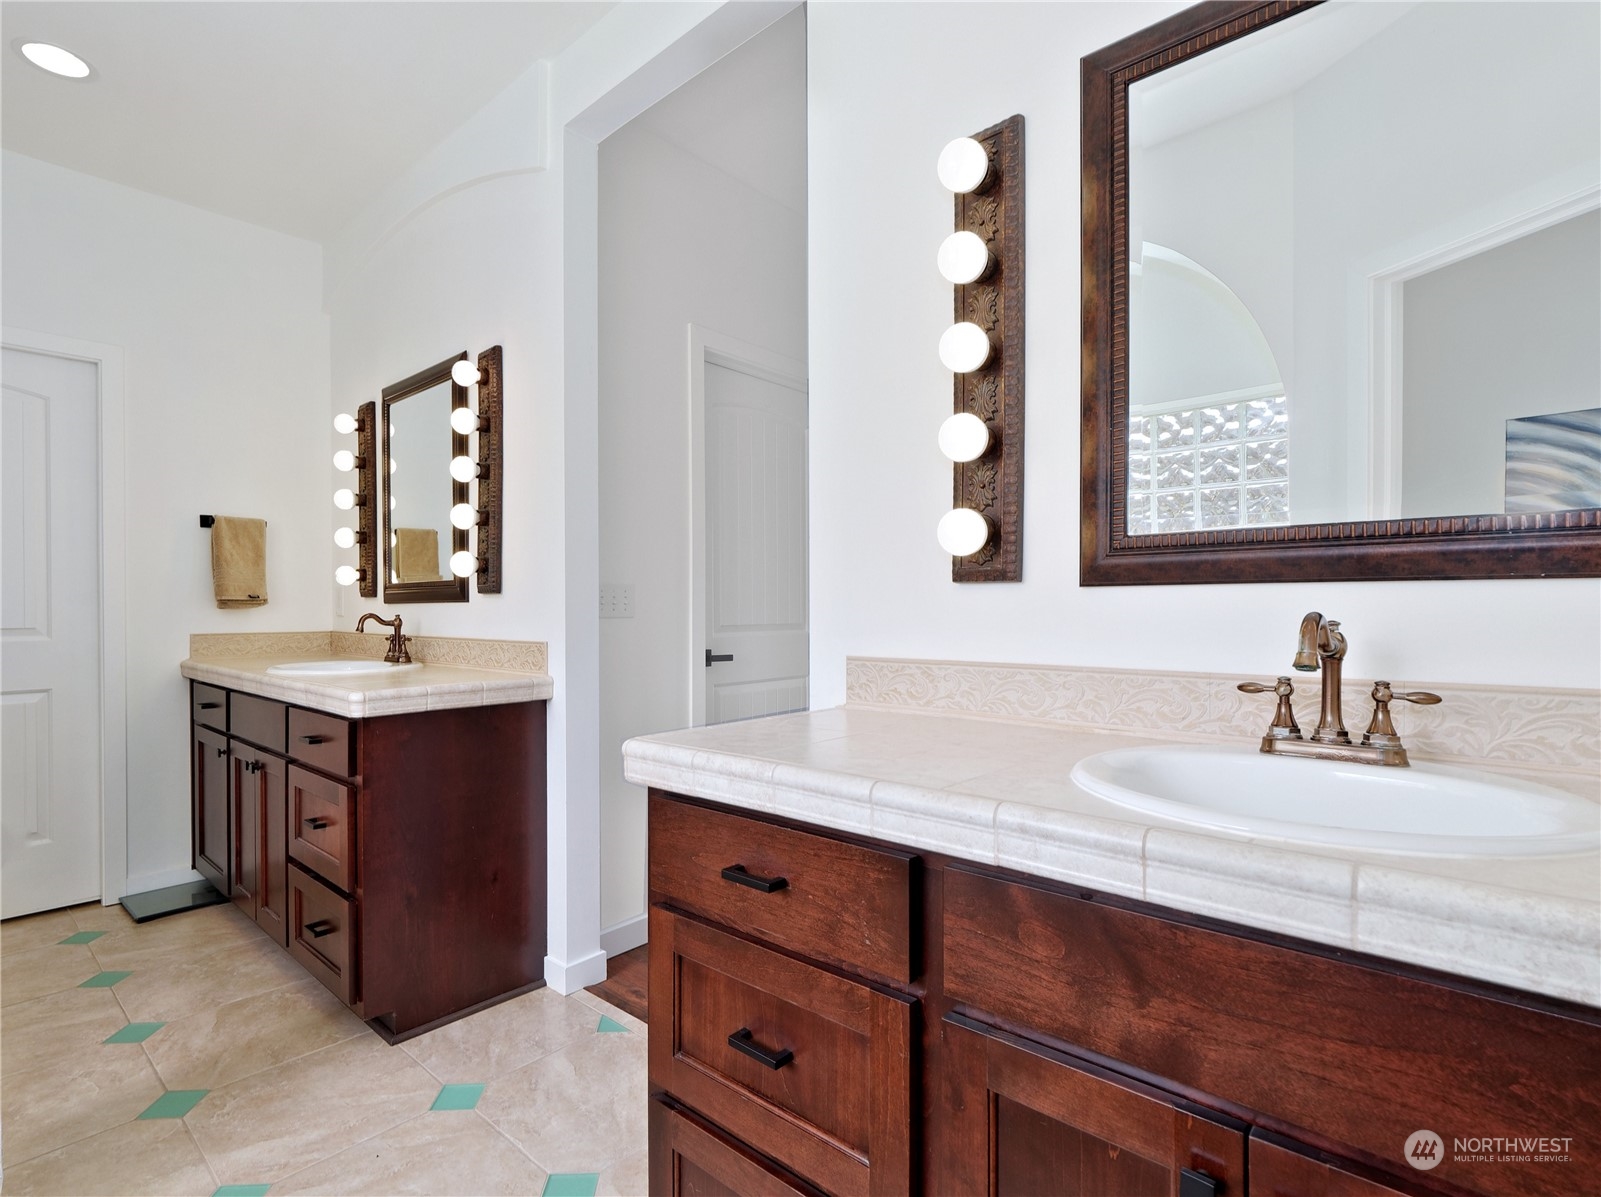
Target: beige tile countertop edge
x=409, y=689
x=983, y=790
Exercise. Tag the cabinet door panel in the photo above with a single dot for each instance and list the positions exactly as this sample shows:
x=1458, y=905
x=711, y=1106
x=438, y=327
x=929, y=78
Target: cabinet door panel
x=322, y=934
x=244, y=856
x=1052, y=1125
x=322, y=826
x=691, y=1158
x=271, y=888
x=210, y=773
x=1280, y=1172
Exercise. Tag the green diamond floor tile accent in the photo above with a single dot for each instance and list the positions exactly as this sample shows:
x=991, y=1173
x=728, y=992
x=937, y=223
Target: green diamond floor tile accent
x=458, y=1097
x=104, y=980
x=174, y=1103
x=610, y=1024
x=572, y=1184
x=82, y=937
x=242, y=1191
x=135, y=1032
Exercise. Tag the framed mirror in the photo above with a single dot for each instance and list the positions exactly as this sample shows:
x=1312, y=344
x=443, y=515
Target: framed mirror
x=418, y=445
x=1342, y=294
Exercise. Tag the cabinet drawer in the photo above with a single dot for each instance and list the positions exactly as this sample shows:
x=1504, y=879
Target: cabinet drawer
x=808, y=1067
x=815, y=895
x=209, y=705
x=692, y=1158
x=321, y=741
x=322, y=933
x=322, y=826
x=259, y=720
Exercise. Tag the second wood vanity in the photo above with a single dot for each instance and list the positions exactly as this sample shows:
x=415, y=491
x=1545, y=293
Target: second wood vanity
x=400, y=859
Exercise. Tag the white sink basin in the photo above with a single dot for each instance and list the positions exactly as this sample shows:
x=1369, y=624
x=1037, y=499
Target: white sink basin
x=335, y=668
x=1423, y=810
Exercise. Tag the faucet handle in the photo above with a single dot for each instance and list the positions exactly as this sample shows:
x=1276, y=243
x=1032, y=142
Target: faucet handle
x=1380, y=730
x=1283, y=726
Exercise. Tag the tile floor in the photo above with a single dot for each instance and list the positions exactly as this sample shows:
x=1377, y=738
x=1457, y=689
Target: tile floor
x=189, y=1055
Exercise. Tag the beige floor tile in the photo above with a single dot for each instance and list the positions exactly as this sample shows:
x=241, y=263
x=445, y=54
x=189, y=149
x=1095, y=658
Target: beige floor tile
x=501, y=1039
x=260, y=1129
x=435, y=1153
x=145, y=945
x=180, y=983
x=576, y=1110
x=28, y=975
x=47, y=1108
x=628, y=1177
x=136, y=1158
x=95, y=917
x=225, y=1043
x=57, y=1029
x=602, y=1006
x=35, y=931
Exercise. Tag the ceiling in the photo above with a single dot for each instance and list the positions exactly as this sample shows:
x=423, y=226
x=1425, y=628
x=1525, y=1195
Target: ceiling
x=746, y=114
x=286, y=114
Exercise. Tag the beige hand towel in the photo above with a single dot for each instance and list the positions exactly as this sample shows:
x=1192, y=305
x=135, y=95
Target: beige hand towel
x=417, y=555
x=239, y=562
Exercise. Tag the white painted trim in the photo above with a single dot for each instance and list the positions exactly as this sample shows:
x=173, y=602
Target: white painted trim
x=625, y=936
x=1385, y=342
x=719, y=349
x=108, y=362
x=571, y=976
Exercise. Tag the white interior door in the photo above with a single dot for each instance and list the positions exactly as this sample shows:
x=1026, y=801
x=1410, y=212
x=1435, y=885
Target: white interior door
x=756, y=636
x=50, y=734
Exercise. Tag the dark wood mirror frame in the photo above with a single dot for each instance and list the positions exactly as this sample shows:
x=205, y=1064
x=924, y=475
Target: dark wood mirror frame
x=451, y=589
x=1548, y=544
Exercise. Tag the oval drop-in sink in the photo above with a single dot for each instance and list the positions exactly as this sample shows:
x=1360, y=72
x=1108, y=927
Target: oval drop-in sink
x=335, y=668
x=1421, y=810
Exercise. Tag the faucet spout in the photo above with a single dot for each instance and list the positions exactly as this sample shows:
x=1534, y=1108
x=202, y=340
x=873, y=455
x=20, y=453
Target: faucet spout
x=1320, y=644
x=398, y=653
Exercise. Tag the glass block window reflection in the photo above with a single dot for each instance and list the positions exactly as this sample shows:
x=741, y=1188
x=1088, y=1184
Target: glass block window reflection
x=1212, y=467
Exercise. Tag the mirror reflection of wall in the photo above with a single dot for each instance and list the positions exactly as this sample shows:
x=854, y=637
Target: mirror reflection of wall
x=1377, y=194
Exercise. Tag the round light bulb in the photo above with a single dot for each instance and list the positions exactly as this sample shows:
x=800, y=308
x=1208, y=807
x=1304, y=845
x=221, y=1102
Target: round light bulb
x=344, y=423
x=964, y=347
x=962, y=532
x=964, y=437
x=963, y=165
x=463, y=515
x=464, y=374
x=347, y=575
x=964, y=258
x=463, y=469
x=393, y=465
x=463, y=564
x=392, y=502
x=345, y=538
x=344, y=461
x=464, y=420
x=55, y=60
x=344, y=499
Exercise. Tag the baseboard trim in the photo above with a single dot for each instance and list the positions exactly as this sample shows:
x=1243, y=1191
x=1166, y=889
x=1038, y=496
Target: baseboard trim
x=625, y=936
x=569, y=976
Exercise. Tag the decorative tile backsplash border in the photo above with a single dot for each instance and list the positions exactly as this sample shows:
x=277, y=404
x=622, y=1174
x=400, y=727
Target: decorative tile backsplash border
x=1514, y=726
x=518, y=656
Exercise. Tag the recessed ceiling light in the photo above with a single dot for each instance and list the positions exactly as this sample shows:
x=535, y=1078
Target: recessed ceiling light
x=55, y=60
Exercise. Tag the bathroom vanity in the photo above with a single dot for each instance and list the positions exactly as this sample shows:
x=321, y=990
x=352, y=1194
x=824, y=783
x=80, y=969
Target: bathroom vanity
x=388, y=831
x=871, y=976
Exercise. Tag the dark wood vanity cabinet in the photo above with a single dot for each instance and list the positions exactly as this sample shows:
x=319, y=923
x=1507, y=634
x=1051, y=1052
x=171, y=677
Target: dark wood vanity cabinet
x=837, y=1014
x=400, y=860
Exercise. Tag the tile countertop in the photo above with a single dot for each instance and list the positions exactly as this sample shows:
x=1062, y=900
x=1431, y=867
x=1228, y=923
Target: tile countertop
x=365, y=695
x=999, y=793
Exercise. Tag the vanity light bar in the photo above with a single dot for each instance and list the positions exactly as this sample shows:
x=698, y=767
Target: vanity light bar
x=365, y=574
x=983, y=349
x=484, y=472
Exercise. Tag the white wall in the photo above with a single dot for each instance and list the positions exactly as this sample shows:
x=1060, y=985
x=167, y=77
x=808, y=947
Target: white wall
x=1504, y=334
x=889, y=84
x=681, y=242
x=226, y=395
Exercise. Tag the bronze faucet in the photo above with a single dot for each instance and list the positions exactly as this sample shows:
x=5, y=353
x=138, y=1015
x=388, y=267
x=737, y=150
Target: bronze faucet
x=398, y=654
x=1322, y=646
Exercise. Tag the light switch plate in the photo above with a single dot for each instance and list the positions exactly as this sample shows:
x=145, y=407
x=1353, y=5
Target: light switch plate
x=617, y=600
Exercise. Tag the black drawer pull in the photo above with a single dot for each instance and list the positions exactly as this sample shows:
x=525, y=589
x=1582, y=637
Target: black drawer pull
x=222, y=752
x=742, y=1042
x=315, y=823
x=320, y=928
x=738, y=875
x=314, y=739
x=252, y=766
x=209, y=706
x=1197, y=1184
